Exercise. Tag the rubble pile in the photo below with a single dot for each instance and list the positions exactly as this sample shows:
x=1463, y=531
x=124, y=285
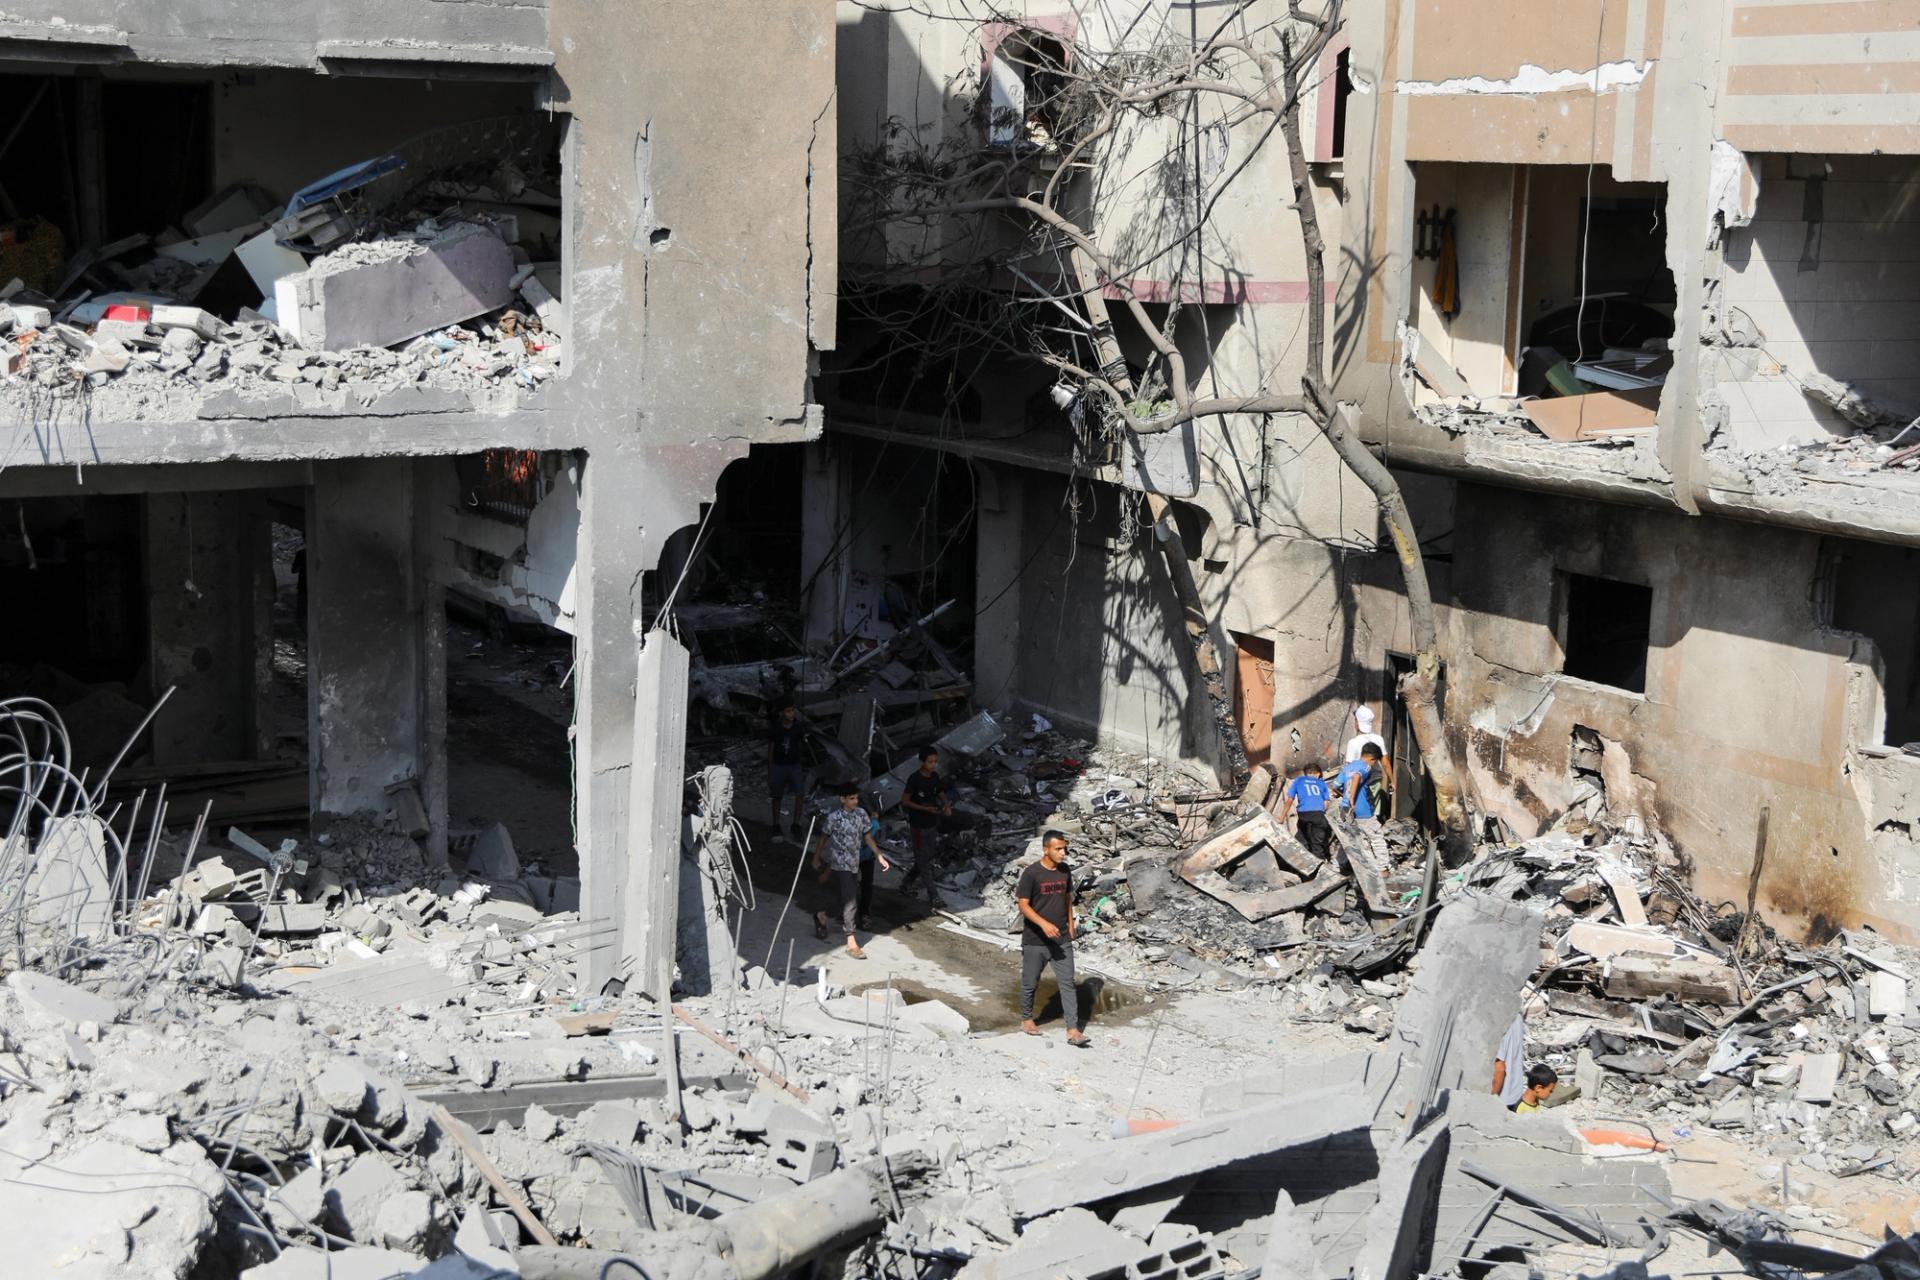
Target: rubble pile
x=1699, y=1019
x=332, y=1057
x=1863, y=455
x=433, y=267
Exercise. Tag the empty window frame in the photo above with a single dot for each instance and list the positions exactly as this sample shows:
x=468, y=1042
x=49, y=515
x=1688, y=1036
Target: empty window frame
x=1606, y=628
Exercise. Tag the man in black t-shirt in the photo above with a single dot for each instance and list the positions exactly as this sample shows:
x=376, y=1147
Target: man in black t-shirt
x=925, y=801
x=1045, y=897
x=784, y=770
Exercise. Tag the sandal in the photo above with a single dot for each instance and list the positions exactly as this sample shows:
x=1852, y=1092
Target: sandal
x=853, y=949
x=821, y=926
x=1080, y=1040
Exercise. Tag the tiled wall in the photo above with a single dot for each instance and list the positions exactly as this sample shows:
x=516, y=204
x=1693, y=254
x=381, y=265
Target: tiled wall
x=1843, y=301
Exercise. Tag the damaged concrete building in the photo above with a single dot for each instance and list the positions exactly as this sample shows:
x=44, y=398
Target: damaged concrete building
x=1623, y=298
x=389, y=304
x=473, y=461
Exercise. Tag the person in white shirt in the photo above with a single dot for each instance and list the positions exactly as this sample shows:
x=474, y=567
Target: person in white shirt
x=1363, y=720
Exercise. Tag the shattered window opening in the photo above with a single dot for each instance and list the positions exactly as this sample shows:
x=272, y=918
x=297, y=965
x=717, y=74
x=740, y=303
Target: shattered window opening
x=1535, y=310
x=1606, y=628
x=1875, y=591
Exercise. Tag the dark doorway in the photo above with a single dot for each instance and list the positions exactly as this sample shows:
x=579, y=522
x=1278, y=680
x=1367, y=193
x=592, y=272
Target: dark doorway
x=1412, y=797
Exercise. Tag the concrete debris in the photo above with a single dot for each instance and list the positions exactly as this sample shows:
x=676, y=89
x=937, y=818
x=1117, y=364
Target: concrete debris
x=343, y=1053
x=455, y=296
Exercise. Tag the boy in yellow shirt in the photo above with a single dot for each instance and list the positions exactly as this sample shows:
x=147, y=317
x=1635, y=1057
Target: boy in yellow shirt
x=1541, y=1080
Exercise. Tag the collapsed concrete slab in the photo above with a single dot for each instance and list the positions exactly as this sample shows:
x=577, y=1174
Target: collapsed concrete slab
x=1194, y=1147
x=1467, y=991
x=381, y=293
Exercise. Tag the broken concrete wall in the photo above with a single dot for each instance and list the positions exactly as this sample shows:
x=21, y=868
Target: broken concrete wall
x=1828, y=274
x=1748, y=700
x=348, y=35
x=694, y=288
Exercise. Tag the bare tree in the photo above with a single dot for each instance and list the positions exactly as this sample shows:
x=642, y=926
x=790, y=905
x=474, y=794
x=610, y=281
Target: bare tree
x=980, y=216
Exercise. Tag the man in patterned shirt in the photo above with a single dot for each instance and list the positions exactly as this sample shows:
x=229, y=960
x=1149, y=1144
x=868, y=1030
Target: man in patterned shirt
x=837, y=853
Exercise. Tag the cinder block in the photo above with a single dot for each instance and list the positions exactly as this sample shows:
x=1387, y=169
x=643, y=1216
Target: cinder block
x=803, y=1156
x=385, y=293
x=202, y=323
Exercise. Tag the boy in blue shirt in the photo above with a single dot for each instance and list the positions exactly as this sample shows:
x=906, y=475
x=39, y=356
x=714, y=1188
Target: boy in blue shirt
x=1362, y=783
x=1310, y=793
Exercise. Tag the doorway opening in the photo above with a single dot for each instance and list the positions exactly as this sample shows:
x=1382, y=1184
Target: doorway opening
x=1253, y=696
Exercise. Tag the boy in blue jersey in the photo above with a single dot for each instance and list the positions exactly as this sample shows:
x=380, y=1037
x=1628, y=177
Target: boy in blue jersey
x=1310, y=794
x=1362, y=784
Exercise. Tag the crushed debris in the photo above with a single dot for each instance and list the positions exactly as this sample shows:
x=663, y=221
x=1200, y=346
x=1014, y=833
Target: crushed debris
x=431, y=269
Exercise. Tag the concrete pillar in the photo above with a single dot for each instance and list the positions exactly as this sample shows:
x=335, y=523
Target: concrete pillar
x=206, y=556
x=612, y=549
x=631, y=502
x=650, y=903
x=367, y=659
x=433, y=757
x=823, y=550
x=1002, y=551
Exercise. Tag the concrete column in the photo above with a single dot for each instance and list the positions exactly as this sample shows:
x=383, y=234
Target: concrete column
x=650, y=904
x=631, y=502
x=204, y=558
x=611, y=557
x=1002, y=551
x=823, y=549
x=367, y=664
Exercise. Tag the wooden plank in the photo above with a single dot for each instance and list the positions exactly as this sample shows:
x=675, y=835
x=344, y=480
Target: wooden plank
x=509, y=1195
x=585, y=1024
x=1229, y=846
x=1362, y=860
x=1620, y=884
x=1271, y=902
x=1635, y=977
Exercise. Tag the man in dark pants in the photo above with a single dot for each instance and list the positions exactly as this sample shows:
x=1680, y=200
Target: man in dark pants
x=1045, y=895
x=925, y=801
x=844, y=833
x=784, y=772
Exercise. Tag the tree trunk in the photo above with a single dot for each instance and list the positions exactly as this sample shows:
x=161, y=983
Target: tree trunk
x=1419, y=687
x=1173, y=548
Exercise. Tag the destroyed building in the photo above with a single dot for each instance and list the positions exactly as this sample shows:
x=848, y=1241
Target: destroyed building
x=449, y=434
x=1620, y=297
x=407, y=302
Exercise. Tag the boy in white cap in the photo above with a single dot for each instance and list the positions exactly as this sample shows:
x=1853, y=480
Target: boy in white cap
x=1363, y=720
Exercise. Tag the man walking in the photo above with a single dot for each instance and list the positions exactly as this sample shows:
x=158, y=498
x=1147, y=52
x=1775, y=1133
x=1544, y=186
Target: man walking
x=925, y=801
x=843, y=834
x=1363, y=725
x=1045, y=896
x=1310, y=794
x=784, y=773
